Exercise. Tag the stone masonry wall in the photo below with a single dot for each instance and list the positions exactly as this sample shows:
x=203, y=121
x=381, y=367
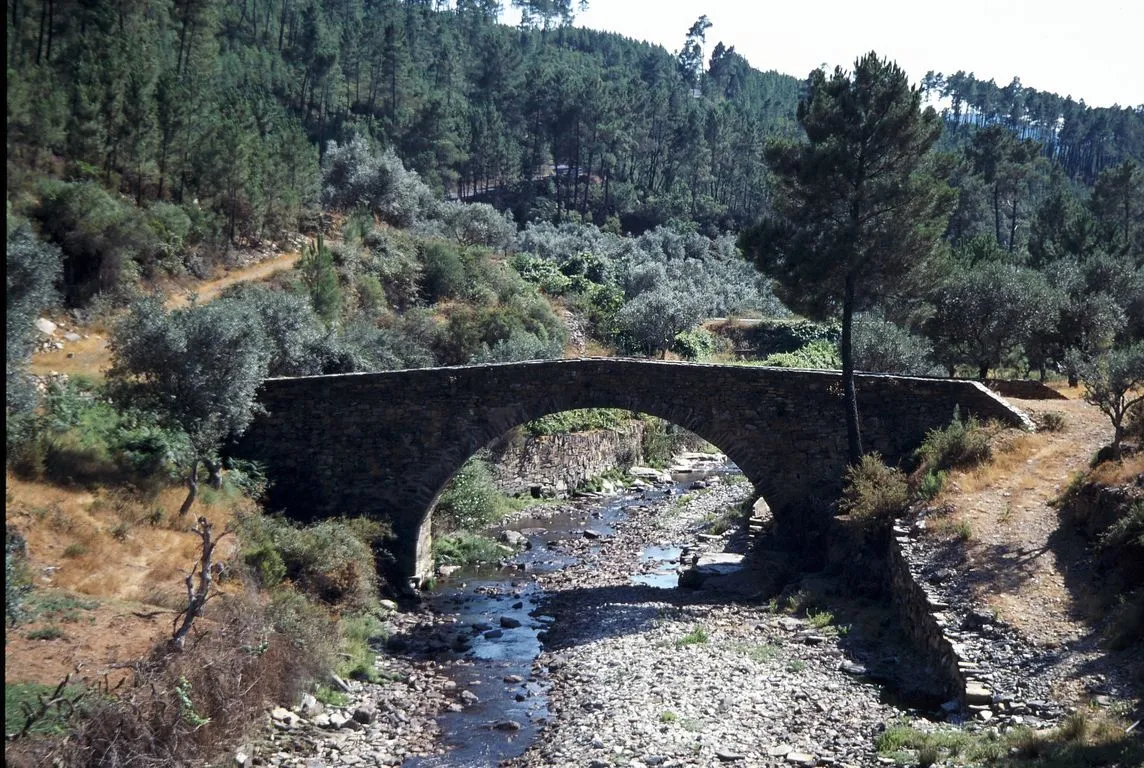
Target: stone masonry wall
x=560, y=463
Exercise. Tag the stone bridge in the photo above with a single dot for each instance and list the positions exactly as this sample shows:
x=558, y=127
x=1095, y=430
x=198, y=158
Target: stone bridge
x=385, y=444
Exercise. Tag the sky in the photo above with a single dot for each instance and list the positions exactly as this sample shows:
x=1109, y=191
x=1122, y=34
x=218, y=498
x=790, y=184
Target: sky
x=1089, y=49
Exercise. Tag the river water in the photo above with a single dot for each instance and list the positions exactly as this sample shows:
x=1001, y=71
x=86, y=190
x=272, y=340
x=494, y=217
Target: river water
x=500, y=628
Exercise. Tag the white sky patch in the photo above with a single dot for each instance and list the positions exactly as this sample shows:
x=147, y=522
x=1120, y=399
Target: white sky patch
x=1093, y=50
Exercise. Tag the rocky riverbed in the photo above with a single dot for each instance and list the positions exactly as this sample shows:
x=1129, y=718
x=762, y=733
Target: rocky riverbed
x=566, y=655
x=646, y=676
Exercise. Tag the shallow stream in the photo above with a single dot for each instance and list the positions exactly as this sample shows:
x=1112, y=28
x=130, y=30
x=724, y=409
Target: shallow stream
x=495, y=610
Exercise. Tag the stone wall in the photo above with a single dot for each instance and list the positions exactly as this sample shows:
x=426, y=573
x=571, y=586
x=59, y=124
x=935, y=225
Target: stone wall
x=558, y=464
x=385, y=444
x=1025, y=389
x=921, y=616
x=932, y=626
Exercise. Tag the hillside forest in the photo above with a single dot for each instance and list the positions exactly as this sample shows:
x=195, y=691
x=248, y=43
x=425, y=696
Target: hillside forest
x=451, y=190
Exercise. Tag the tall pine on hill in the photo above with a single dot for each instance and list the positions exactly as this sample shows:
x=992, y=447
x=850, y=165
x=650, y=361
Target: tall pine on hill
x=857, y=212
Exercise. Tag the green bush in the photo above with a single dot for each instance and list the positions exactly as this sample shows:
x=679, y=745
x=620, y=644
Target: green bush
x=444, y=273
x=696, y=344
x=543, y=273
x=874, y=492
x=466, y=549
x=81, y=437
x=17, y=579
x=307, y=626
x=819, y=354
x=357, y=633
x=930, y=484
x=961, y=445
x=657, y=444
x=580, y=420
x=329, y=561
x=471, y=499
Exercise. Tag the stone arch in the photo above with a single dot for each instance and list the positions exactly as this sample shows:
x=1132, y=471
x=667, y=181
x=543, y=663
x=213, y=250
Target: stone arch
x=384, y=444
x=483, y=434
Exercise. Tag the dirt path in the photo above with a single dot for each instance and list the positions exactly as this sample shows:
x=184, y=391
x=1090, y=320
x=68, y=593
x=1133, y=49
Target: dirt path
x=1016, y=565
x=90, y=356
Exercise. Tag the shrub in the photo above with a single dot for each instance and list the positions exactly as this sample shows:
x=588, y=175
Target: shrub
x=656, y=445
x=444, y=273
x=541, y=272
x=695, y=344
x=358, y=633
x=874, y=492
x=885, y=347
x=580, y=420
x=697, y=636
x=32, y=267
x=961, y=445
x=1052, y=422
x=17, y=579
x=819, y=354
x=476, y=224
x=466, y=549
x=329, y=560
x=356, y=176
x=471, y=499
x=930, y=484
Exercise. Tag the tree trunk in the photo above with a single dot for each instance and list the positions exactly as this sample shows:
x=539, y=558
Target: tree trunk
x=1013, y=225
x=192, y=489
x=215, y=470
x=850, y=394
x=997, y=211
x=983, y=371
x=197, y=598
x=1074, y=380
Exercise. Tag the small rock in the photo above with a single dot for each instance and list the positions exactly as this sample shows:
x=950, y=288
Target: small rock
x=364, y=715
x=507, y=725
x=508, y=622
x=975, y=693
x=851, y=668
x=728, y=757
x=310, y=706
x=493, y=634
x=469, y=699
x=514, y=538
x=985, y=715
x=513, y=679
x=590, y=534
x=801, y=758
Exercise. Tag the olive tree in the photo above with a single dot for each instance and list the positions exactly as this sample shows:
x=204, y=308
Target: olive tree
x=198, y=369
x=32, y=269
x=984, y=314
x=653, y=319
x=1114, y=383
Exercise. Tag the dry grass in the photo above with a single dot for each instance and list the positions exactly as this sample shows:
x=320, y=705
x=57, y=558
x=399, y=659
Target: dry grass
x=594, y=348
x=1118, y=472
x=1011, y=450
x=115, y=549
x=1062, y=386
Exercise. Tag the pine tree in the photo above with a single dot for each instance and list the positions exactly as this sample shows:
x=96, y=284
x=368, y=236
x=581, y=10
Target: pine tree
x=857, y=212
